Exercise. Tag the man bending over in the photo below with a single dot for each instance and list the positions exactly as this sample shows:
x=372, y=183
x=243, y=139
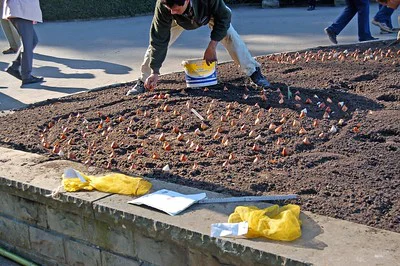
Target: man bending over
x=172, y=17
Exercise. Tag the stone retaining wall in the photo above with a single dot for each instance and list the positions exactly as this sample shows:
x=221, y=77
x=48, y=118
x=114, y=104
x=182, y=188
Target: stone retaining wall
x=96, y=228
x=74, y=231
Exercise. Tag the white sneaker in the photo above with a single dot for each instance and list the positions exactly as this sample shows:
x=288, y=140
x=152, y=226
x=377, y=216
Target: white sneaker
x=137, y=89
x=381, y=25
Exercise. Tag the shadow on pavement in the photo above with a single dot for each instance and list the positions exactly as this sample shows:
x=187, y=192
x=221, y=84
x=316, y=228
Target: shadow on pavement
x=8, y=103
x=3, y=65
x=109, y=68
x=55, y=72
x=40, y=86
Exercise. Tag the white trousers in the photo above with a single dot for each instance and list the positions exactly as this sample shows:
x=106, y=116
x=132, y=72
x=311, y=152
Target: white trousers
x=11, y=34
x=232, y=42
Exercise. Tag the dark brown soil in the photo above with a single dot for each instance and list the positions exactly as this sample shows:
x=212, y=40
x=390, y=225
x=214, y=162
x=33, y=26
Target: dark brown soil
x=342, y=156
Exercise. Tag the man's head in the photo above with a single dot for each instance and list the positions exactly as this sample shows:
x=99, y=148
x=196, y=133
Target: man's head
x=177, y=7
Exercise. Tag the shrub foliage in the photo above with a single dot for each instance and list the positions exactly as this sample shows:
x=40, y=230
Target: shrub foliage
x=89, y=9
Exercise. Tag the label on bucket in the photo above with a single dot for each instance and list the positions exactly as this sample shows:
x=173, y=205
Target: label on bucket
x=199, y=74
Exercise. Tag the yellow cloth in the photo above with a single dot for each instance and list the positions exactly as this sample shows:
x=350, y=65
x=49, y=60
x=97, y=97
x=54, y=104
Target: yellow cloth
x=273, y=222
x=112, y=183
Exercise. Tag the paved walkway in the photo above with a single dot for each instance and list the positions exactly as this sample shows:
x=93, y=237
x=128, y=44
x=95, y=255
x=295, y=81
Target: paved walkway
x=77, y=56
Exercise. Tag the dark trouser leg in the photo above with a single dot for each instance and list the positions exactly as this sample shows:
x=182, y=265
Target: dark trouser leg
x=29, y=41
x=364, y=32
x=384, y=15
x=345, y=17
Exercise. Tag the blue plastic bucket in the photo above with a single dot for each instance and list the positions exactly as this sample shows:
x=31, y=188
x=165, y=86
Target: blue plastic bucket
x=199, y=74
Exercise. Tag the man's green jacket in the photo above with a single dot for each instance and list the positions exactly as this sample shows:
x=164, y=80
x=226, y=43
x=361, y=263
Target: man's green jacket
x=198, y=13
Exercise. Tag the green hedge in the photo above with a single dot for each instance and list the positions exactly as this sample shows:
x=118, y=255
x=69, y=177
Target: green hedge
x=89, y=9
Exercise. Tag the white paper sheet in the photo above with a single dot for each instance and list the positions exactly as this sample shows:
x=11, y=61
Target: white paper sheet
x=229, y=229
x=168, y=201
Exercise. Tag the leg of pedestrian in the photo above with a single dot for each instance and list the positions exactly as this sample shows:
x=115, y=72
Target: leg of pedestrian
x=11, y=35
x=341, y=22
x=382, y=19
x=364, y=32
x=25, y=55
x=240, y=54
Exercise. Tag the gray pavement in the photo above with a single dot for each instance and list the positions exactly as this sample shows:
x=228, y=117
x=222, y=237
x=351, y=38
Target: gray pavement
x=82, y=55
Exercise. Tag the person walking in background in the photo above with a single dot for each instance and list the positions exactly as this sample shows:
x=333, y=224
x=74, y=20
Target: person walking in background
x=23, y=14
x=353, y=7
x=311, y=5
x=11, y=34
x=383, y=18
x=172, y=17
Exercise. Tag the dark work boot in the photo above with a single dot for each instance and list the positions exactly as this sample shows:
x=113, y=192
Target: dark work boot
x=369, y=39
x=13, y=72
x=32, y=79
x=331, y=35
x=10, y=51
x=259, y=80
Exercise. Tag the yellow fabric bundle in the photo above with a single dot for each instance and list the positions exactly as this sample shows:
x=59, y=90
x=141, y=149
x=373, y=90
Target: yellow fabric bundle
x=273, y=222
x=112, y=183
x=75, y=184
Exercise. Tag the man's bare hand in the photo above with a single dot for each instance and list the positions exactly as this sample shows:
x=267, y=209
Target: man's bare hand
x=210, y=55
x=151, y=82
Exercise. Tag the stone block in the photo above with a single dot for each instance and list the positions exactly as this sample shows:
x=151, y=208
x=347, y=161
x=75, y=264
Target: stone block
x=199, y=258
x=66, y=223
x=14, y=233
x=47, y=244
x=270, y=3
x=108, y=258
x=23, y=209
x=37, y=183
x=160, y=251
x=108, y=235
x=28, y=254
x=114, y=237
x=81, y=254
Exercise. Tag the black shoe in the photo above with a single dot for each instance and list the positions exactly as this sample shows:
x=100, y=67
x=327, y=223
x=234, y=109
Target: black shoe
x=9, y=51
x=13, y=72
x=311, y=8
x=331, y=35
x=369, y=39
x=32, y=79
x=259, y=80
x=137, y=89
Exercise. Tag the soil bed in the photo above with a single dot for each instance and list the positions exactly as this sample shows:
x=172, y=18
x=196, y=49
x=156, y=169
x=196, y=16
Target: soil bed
x=335, y=141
